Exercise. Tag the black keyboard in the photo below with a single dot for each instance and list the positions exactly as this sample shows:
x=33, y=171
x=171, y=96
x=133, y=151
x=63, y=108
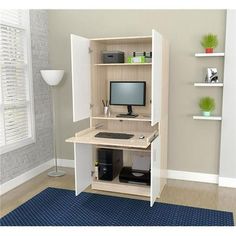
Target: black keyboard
x=114, y=135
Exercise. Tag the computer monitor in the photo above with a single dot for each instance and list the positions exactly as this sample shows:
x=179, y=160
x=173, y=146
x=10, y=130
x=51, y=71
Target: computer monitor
x=128, y=93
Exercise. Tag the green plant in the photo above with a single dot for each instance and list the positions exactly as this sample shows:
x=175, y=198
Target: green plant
x=207, y=104
x=209, y=41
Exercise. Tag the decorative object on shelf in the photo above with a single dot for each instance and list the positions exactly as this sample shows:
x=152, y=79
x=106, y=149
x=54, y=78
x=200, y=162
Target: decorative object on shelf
x=209, y=42
x=207, y=105
x=212, y=76
x=53, y=78
x=140, y=57
x=137, y=59
x=148, y=57
x=106, y=107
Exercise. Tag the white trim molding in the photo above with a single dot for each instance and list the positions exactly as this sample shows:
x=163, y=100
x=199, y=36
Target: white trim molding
x=227, y=182
x=192, y=176
x=13, y=183
x=171, y=174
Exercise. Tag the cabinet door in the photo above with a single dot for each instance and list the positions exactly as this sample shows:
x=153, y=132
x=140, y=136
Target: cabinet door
x=156, y=77
x=80, y=70
x=155, y=170
x=83, y=166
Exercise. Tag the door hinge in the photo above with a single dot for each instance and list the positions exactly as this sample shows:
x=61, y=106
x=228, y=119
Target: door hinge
x=153, y=137
x=90, y=106
x=90, y=50
x=150, y=101
x=92, y=172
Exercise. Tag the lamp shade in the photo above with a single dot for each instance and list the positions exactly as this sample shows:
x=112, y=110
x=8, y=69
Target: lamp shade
x=52, y=77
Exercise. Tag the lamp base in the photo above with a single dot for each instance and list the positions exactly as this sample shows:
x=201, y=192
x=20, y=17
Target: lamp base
x=55, y=173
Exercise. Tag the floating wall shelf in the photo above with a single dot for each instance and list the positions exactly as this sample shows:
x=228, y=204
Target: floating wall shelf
x=208, y=84
x=207, y=117
x=217, y=54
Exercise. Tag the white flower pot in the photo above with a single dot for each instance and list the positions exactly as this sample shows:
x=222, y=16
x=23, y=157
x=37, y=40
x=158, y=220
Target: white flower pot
x=206, y=113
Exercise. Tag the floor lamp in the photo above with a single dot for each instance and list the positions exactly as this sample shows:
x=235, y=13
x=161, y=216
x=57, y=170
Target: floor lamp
x=53, y=78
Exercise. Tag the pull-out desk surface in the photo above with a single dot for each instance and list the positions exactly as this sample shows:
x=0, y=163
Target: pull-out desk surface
x=88, y=137
x=84, y=166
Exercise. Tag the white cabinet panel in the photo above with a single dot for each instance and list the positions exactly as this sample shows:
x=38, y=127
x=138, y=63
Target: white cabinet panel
x=80, y=63
x=83, y=166
x=156, y=77
x=155, y=170
x=228, y=126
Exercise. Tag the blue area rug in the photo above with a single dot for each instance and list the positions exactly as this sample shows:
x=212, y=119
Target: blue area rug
x=59, y=207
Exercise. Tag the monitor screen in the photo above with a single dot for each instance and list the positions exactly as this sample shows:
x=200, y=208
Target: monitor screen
x=128, y=93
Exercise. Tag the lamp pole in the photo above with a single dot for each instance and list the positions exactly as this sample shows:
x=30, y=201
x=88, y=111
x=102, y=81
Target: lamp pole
x=53, y=78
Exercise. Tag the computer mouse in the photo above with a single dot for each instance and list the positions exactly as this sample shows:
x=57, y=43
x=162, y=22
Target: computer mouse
x=141, y=137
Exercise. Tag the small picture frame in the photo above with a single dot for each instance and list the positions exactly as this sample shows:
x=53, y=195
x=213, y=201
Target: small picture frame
x=212, y=75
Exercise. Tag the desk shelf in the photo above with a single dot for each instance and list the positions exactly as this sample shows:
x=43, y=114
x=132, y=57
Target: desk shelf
x=113, y=117
x=123, y=64
x=148, y=150
x=88, y=137
x=119, y=187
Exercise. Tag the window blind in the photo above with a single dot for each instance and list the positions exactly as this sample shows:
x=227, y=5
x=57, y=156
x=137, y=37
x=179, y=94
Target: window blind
x=15, y=94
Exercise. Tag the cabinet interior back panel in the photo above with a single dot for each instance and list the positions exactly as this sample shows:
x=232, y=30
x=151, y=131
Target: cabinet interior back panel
x=98, y=79
x=137, y=73
x=101, y=76
x=131, y=126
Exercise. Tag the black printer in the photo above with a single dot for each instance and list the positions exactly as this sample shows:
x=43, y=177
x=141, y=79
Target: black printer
x=113, y=57
x=129, y=175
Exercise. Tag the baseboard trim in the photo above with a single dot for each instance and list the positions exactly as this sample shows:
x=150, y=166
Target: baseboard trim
x=192, y=176
x=227, y=182
x=171, y=174
x=13, y=183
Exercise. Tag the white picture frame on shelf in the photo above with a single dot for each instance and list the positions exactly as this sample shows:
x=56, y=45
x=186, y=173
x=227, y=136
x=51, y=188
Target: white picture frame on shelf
x=212, y=75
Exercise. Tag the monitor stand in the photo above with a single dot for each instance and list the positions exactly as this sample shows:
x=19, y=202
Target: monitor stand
x=130, y=113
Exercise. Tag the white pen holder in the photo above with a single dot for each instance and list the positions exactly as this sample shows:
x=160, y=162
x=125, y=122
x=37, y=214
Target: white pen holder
x=106, y=110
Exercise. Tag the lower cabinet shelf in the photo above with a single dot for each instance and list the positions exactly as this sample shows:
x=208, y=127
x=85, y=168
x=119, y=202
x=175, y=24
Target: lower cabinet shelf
x=118, y=187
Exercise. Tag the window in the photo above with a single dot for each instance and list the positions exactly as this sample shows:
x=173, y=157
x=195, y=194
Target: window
x=16, y=100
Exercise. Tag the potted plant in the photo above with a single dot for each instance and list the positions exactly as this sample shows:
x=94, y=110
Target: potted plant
x=209, y=42
x=207, y=105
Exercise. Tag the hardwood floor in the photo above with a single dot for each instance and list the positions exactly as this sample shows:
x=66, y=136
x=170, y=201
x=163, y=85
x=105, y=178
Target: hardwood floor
x=178, y=192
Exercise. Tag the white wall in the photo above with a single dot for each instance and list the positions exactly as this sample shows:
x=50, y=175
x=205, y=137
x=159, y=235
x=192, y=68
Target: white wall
x=228, y=129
